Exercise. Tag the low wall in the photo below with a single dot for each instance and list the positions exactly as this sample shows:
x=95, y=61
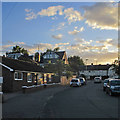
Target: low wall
x=28, y=89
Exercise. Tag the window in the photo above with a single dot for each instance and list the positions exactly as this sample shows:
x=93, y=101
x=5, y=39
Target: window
x=29, y=77
x=18, y=76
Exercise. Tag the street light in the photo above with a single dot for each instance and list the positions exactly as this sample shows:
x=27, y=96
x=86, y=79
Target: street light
x=86, y=62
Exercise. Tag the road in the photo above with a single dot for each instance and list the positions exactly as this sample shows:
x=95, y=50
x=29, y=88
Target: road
x=87, y=101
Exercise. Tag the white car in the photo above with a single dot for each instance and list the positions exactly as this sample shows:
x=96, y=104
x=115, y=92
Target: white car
x=97, y=80
x=75, y=82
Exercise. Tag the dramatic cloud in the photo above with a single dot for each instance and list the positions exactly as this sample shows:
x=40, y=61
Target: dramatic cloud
x=75, y=31
x=102, y=15
x=59, y=36
x=31, y=48
x=50, y=11
x=72, y=15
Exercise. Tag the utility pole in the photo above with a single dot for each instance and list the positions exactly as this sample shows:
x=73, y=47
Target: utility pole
x=38, y=54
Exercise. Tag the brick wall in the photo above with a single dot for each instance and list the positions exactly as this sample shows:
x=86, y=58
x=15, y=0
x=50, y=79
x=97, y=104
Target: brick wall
x=7, y=80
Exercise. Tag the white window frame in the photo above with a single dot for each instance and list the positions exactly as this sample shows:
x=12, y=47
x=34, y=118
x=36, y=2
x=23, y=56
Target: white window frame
x=17, y=76
x=30, y=79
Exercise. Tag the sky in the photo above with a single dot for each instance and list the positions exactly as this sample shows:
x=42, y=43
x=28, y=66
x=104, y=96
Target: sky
x=85, y=29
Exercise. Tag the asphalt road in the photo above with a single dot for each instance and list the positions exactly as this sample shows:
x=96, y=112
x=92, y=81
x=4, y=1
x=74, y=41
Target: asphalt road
x=82, y=102
x=64, y=102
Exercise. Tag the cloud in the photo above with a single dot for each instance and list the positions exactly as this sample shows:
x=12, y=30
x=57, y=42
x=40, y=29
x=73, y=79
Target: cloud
x=59, y=36
x=102, y=16
x=72, y=15
x=31, y=15
x=28, y=10
x=51, y=11
x=31, y=48
x=109, y=43
x=83, y=41
x=75, y=31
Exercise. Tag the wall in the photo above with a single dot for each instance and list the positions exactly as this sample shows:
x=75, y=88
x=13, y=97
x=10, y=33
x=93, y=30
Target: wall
x=65, y=81
x=7, y=80
x=17, y=84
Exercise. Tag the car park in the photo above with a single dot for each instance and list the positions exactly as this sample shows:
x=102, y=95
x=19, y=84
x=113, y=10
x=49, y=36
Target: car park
x=82, y=80
x=113, y=87
x=75, y=82
x=97, y=80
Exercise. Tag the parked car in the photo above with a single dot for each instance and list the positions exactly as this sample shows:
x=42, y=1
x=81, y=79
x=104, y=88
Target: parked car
x=113, y=87
x=105, y=82
x=75, y=82
x=97, y=80
x=82, y=80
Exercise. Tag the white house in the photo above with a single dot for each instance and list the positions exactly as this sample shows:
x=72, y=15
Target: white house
x=91, y=71
x=111, y=72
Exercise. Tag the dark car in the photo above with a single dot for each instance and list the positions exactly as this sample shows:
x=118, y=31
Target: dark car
x=113, y=87
x=82, y=80
x=105, y=82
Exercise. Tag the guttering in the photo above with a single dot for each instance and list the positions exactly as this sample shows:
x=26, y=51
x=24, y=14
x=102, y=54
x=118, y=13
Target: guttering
x=7, y=67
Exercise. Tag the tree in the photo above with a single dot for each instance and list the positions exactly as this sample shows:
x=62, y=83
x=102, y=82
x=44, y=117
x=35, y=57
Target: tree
x=18, y=49
x=48, y=50
x=75, y=63
x=56, y=49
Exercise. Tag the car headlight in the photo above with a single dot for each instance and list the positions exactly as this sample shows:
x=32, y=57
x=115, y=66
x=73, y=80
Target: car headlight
x=112, y=87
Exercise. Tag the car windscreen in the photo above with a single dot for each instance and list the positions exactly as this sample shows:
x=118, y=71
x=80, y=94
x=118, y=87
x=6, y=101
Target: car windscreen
x=115, y=82
x=74, y=80
x=97, y=78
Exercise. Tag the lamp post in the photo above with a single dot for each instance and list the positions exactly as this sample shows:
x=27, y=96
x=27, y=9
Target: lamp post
x=86, y=67
x=86, y=62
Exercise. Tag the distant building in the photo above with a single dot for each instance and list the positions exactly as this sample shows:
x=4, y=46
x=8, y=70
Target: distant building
x=13, y=55
x=52, y=57
x=19, y=56
x=112, y=72
x=91, y=71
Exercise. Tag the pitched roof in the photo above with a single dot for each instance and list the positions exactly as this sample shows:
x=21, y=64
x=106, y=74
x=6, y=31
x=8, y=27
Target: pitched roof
x=60, y=53
x=21, y=65
x=95, y=67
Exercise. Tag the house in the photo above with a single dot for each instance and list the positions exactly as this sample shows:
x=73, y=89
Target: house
x=52, y=57
x=18, y=73
x=19, y=56
x=91, y=71
x=112, y=72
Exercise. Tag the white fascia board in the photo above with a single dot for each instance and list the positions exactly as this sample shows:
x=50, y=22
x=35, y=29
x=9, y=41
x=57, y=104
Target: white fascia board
x=6, y=67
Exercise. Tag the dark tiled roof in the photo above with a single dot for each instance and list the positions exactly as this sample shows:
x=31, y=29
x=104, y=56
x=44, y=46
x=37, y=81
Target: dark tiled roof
x=21, y=65
x=60, y=53
x=95, y=67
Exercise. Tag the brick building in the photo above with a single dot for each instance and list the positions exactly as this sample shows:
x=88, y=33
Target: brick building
x=17, y=73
